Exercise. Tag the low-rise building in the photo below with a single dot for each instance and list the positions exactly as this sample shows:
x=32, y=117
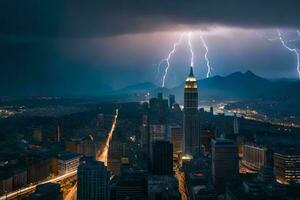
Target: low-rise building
x=67, y=162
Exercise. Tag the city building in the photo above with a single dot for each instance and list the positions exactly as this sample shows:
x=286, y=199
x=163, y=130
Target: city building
x=163, y=187
x=81, y=145
x=47, y=191
x=6, y=183
x=171, y=100
x=254, y=157
x=162, y=158
x=176, y=138
x=93, y=181
x=225, y=166
x=115, y=154
x=235, y=124
x=130, y=184
x=19, y=177
x=287, y=165
x=158, y=132
x=39, y=168
x=145, y=137
x=67, y=162
x=203, y=192
x=199, y=185
x=158, y=108
x=190, y=117
x=206, y=136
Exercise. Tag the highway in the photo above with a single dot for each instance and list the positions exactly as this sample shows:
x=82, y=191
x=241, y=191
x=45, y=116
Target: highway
x=181, y=182
x=103, y=154
x=26, y=190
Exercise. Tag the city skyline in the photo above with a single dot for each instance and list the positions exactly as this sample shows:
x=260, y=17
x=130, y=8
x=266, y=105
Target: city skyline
x=150, y=100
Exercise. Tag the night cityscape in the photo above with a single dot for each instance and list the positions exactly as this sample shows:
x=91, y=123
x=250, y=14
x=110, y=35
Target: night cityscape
x=150, y=100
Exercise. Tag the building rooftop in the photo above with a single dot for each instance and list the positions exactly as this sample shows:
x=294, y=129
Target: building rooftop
x=67, y=156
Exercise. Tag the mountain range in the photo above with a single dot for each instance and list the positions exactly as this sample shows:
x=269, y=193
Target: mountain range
x=236, y=86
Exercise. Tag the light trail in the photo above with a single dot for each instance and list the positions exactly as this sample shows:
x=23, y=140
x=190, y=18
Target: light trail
x=294, y=50
x=206, y=57
x=103, y=155
x=167, y=60
x=181, y=182
x=26, y=190
x=72, y=193
x=191, y=48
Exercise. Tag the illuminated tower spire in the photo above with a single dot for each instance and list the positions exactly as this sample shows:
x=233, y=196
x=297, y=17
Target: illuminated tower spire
x=191, y=72
x=190, y=117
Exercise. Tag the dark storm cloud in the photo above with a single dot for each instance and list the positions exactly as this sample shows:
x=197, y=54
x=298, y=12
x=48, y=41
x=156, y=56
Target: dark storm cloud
x=104, y=18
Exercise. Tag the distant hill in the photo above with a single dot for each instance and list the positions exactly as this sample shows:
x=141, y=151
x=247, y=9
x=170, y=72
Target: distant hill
x=236, y=86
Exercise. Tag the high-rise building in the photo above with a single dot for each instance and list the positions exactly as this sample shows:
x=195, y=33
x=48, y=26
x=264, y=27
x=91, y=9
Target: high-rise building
x=6, y=183
x=254, y=157
x=225, y=164
x=67, y=162
x=171, y=100
x=287, y=165
x=47, y=191
x=190, y=116
x=81, y=145
x=176, y=138
x=162, y=187
x=235, y=124
x=115, y=154
x=130, y=184
x=145, y=137
x=157, y=132
x=162, y=158
x=93, y=181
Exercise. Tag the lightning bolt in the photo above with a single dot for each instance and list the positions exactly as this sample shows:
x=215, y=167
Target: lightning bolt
x=206, y=57
x=167, y=60
x=191, y=48
x=294, y=50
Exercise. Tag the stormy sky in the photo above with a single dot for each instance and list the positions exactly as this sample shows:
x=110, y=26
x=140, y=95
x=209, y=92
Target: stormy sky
x=86, y=47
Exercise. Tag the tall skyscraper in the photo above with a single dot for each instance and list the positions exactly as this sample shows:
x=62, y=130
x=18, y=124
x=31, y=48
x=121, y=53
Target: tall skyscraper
x=162, y=158
x=225, y=163
x=176, y=139
x=93, y=181
x=171, y=100
x=190, y=117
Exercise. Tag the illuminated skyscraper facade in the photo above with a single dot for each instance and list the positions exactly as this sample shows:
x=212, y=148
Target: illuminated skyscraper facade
x=191, y=132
